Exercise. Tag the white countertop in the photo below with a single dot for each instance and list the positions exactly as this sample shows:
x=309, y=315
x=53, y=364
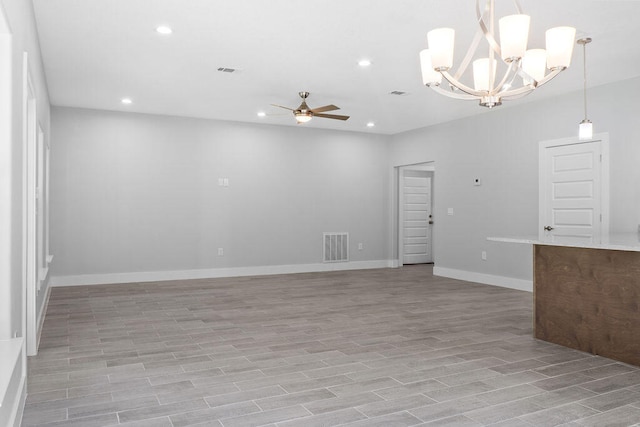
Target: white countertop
x=617, y=242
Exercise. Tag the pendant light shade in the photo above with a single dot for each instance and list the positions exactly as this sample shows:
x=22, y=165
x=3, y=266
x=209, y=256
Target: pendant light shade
x=585, y=131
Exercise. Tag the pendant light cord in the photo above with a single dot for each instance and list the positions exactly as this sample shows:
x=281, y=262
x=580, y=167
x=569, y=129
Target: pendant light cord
x=584, y=63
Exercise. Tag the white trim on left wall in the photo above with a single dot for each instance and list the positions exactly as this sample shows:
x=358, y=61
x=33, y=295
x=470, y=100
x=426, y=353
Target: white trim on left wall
x=13, y=391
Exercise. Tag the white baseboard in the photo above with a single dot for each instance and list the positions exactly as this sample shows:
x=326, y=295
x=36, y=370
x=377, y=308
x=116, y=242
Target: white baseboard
x=487, y=279
x=42, y=314
x=13, y=391
x=158, y=276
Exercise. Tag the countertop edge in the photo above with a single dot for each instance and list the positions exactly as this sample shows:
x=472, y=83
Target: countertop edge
x=616, y=242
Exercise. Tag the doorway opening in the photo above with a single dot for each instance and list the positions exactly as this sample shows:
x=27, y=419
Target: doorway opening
x=415, y=226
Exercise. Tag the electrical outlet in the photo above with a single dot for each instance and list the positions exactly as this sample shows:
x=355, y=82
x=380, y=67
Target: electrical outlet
x=360, y=246
x=225, y=182
x=220, y=182
x=484, y=255
x=220, y=251
x=450, y=211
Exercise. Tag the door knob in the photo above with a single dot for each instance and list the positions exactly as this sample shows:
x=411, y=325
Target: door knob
x=548, y=228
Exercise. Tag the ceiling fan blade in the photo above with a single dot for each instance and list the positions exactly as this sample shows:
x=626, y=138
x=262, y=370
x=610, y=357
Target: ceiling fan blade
x=332, y=116
x=286, y=108
x=325, y=108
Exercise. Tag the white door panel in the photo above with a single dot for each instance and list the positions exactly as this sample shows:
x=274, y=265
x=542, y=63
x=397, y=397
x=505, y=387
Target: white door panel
x=571, y=199
x=416, y=232
x=420, y=199
x=416, y=211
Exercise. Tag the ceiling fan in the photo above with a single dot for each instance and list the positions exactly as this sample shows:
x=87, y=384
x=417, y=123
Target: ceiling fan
x=303, y=113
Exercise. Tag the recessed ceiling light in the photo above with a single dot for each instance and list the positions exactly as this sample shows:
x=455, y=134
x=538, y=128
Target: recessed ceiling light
x=163, y=29
x=126, y=101
x=364, y=62
x=262, y=114
x=370, y=124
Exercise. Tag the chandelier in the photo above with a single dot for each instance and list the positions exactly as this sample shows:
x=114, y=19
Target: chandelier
x=525, y=69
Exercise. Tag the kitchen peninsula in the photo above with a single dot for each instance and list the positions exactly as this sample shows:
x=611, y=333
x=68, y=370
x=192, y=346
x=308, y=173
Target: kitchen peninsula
x=586, y=294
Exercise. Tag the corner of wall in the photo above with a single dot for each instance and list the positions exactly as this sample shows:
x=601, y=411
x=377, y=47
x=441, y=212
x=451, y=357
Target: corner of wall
x=486, y=279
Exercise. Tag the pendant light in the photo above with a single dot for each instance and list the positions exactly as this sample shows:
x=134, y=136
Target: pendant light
x=585, y=131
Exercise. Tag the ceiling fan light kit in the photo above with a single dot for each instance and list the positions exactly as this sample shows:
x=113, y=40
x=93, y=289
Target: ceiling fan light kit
x=303, y=113
x=525, y=69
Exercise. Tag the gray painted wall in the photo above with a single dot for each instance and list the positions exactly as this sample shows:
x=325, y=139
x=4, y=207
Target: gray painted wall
x=136, y=193
x=140, y=193
x=501, y=147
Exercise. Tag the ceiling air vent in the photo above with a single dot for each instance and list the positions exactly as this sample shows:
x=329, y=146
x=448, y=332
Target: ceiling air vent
x=398, y=93
x=226, y=70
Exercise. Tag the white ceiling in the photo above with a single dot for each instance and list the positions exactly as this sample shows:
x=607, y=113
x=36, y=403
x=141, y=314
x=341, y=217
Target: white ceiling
x=96, y=52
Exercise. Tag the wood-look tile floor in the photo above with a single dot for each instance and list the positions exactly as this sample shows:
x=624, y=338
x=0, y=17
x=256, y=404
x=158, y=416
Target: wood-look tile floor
x=390, y=347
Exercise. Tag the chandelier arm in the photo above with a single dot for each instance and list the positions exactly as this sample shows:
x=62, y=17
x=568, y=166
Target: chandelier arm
x=473, y=47
x=462, y=86
x=450, y=94
x=518, y=96
x=487, y=34
x=496, y=90
x=549, y=77
x=526, y=76
x=518, y=7
x=515, y=74
x=517, y=93
x=530, y=88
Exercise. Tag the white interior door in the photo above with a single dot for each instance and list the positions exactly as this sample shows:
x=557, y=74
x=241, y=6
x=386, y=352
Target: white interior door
x=571, y=187
x=416, y=217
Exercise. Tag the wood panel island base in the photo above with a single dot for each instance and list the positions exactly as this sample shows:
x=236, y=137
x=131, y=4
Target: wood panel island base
x=586, y=295
x=588, y=299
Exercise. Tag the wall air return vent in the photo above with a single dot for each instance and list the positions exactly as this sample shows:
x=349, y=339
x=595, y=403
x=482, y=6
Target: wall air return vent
x=336, y=247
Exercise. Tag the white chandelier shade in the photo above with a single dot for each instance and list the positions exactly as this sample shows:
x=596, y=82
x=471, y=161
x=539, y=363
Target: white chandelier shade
x=525, y=69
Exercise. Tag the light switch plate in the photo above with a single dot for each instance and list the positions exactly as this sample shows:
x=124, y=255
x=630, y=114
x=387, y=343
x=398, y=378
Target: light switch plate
x=450, y=211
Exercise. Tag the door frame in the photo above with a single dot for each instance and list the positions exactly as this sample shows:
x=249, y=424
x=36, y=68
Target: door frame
x=29, y=228
x=604, y=178
x=399, y=207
